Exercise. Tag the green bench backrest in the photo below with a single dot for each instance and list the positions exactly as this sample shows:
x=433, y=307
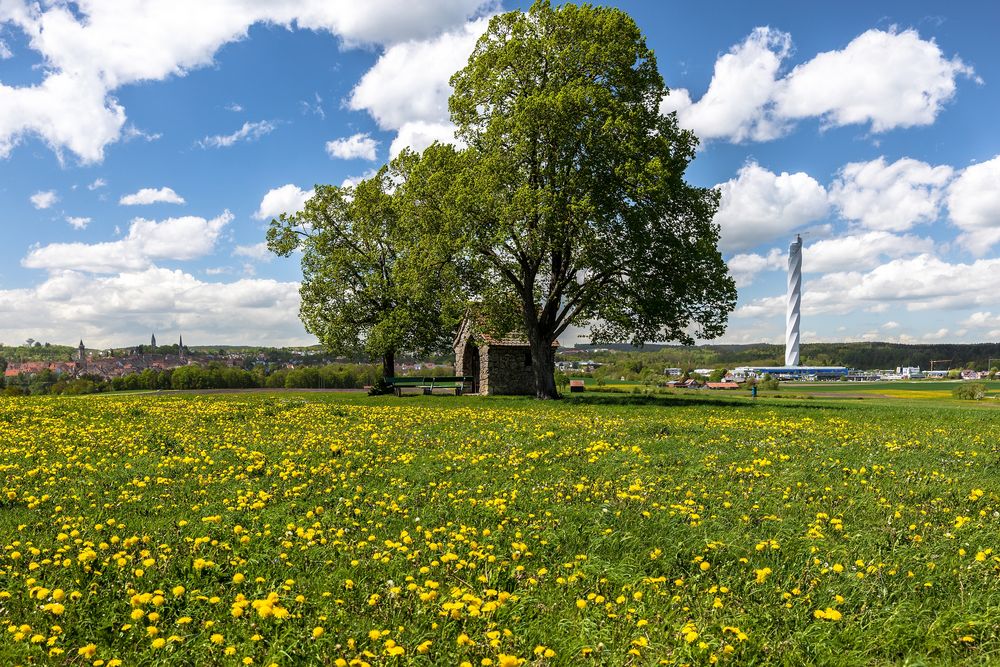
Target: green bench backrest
x=416, y=381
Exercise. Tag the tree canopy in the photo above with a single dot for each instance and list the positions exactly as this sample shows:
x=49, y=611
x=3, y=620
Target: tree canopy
x=565, y=205
x=373, y=280
x=573, y=188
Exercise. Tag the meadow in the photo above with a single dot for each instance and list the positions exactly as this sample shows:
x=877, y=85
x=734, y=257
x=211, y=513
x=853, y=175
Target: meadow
x=599, y=530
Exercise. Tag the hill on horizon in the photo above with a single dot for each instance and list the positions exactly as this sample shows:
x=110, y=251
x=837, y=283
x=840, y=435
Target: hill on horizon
x=860, y=355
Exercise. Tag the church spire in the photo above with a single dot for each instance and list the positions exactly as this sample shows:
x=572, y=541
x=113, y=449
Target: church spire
x=152, y=341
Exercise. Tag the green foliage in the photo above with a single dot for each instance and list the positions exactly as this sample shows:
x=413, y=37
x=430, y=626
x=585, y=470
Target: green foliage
x=372, y=281
x=768, y=382
x=78, y=386
x=572, y=186
x=37, y=353
x=970, y=391
x=380, y=387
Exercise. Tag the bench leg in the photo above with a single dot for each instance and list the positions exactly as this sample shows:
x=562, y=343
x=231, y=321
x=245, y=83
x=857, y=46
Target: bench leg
x=398, y=390
x=428, y=391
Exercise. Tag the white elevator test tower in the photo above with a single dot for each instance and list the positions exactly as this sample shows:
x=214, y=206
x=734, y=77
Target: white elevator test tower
x=794, y=302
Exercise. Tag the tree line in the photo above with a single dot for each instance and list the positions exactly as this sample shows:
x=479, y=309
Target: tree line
x=212, y=376
x=625, y=360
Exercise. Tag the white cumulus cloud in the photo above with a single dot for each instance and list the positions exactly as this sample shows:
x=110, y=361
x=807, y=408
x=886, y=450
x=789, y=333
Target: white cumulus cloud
x=179, y=239
x=736, y=105
x=744, y=267
x=407, y=89
x=151, y=196
x=759, y=206
x=885, y=79
x=974, y=206
x=288, y=198
x=921, y=283
x=121, y=309
x=44, y=199
x=78, y=222
x=890, y=197
x=420, y=134
x=859, y=252
x=92, y=48
x=355, y=146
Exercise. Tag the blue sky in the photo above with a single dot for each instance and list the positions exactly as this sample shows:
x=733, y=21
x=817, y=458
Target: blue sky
x=142, y=152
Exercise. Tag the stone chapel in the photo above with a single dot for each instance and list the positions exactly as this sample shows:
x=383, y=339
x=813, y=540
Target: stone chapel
x=496, y=365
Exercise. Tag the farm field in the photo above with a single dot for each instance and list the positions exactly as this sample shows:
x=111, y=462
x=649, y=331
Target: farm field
x=906, y=389
x=337, y=529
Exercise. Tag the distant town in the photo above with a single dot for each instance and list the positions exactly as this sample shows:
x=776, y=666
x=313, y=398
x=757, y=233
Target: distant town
x=38, y=368
x=117, y=362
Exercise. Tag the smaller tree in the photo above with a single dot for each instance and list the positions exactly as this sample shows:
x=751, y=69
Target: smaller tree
x=371, y=280
x=970, y=391
x=562, y=380
x=768, y=382
x=717, y=375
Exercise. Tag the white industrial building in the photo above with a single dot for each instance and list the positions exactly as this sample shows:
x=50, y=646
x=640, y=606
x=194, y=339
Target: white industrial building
x=791, y=372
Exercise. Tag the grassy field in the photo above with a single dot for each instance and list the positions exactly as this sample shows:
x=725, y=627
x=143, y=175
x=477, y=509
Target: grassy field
x=603, y=529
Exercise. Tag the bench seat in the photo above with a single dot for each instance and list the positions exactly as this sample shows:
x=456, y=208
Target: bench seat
x=429, y=384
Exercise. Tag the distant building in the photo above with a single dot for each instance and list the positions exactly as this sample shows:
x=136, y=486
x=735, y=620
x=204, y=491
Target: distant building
x=722, y=385
x=81, y=352
x=792, y=372
x=152, y=341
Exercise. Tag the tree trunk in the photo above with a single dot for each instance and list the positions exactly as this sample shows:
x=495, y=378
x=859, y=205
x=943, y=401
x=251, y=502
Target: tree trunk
x=389, y=364
x=543, y=365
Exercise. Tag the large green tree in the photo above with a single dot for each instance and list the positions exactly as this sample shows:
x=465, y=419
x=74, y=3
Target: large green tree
x=573, y=189
x=373, y=280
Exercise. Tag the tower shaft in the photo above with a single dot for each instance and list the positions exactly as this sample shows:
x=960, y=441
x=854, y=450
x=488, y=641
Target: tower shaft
x=792, y=312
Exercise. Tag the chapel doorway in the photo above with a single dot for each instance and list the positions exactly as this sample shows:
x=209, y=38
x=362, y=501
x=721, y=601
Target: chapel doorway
x=470, y=365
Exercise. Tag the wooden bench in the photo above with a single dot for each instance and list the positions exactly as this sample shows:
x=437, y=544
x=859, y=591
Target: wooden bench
x=429, y=384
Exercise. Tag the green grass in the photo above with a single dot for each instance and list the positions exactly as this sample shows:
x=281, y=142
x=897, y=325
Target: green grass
x=618, y=529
